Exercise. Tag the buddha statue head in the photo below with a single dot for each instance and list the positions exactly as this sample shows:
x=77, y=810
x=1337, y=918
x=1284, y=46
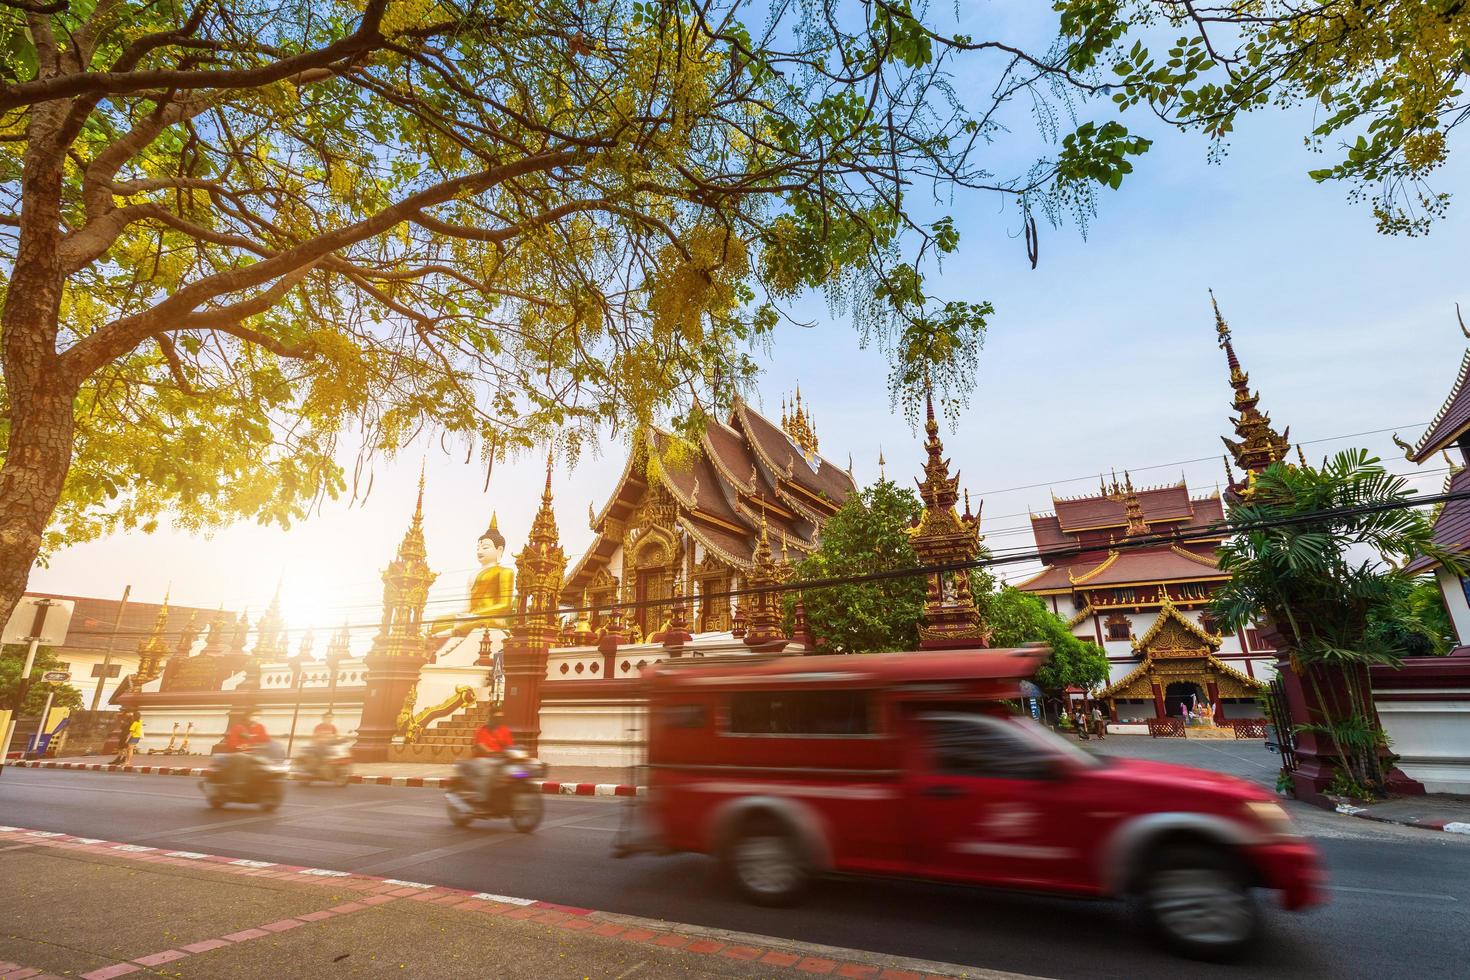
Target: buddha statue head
x=491, y=545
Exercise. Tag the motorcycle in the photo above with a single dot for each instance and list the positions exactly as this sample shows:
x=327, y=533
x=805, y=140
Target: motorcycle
x=513, y=794
x=261, y=779
x=329, y=763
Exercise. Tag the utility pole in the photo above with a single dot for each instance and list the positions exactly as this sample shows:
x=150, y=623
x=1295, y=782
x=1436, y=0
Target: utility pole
x=111, y=640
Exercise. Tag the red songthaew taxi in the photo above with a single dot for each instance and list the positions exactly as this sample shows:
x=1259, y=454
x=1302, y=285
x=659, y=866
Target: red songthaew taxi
x=915, y=765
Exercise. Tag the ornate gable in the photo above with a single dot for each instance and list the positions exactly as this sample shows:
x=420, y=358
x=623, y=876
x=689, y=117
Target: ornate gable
x=1174, y=634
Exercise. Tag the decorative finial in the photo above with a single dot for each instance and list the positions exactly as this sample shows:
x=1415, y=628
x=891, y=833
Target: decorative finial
x=881, y=474
x=1301, y=456
x=1408, y=449
x=1463, y=329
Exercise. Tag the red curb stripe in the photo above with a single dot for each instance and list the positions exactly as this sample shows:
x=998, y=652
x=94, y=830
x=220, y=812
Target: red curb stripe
x=621, y=790
x=550, y=787
x=585, y=789
x=415, y=781
x=158, y=959
x=205, y=946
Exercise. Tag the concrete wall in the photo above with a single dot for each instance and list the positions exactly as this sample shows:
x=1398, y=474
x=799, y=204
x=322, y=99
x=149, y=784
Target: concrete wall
x=1431, y=736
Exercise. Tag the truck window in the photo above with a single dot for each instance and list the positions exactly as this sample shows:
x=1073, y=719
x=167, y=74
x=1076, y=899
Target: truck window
x=801, y=713
x=974, y=745
x=683, y=716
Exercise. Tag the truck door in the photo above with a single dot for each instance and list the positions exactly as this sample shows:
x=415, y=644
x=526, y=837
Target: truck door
x=989, y=805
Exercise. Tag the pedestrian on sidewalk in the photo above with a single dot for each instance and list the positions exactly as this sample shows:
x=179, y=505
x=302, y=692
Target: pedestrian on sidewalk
x=135, y=735
x=1099, y=722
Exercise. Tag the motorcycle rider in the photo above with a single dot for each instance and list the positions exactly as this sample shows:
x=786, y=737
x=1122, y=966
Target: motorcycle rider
x=323, y=737
x=244, y=735
x=492, y=739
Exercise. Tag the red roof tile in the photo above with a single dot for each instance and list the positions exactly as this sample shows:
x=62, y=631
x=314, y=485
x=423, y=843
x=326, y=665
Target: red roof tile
x=1452, y=527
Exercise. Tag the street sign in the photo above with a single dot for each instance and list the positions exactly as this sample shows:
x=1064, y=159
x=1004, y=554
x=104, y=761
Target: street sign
x=56, y=676
x=38, y=619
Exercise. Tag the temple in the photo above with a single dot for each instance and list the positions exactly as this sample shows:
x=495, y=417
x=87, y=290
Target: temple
x=694, y=515
x=1425, y=705
x=1132, y=570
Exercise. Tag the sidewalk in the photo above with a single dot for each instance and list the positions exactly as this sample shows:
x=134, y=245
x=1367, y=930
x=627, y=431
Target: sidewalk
x=141, y=910
x=569, y=780
x=1440, y=811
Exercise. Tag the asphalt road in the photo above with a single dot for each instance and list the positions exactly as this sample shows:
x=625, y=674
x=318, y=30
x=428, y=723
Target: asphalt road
x=1401, y=898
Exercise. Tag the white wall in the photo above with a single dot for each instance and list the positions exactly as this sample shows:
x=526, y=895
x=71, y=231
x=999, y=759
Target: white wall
x=1454, y=600
x=1432, y=739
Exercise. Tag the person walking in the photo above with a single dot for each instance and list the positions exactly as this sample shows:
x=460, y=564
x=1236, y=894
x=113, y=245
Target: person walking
x=1099, y=722
x=135, y=735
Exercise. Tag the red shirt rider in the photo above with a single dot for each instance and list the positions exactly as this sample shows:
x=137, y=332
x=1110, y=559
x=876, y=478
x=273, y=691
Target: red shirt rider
x=493, y=737
x=245, y=734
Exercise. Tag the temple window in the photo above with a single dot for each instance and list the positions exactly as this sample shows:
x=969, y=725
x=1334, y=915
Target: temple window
x=1118, y=627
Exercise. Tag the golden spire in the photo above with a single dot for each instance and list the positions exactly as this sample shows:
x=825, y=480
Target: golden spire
x=1259, y=445
x=406, y=583
x=881, y=474
x=540, y=565
x=798, y=426
x=944, y=538
x=1133, y=508
x=153, y=651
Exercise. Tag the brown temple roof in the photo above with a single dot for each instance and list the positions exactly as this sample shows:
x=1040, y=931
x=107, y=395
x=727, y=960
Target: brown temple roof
x=1452, y=527
x=1164, y=563
x=1161, y=505
x=92, y=622
x=1451, y=421
x=745, y=470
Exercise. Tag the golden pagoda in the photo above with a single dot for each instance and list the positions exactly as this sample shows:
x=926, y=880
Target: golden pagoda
x=1133, y=510
x=945, y=537
x=763, y=632
x=798, y=425
x=153, y=651
x=1258, y=445
x=539, y=570
x=406, y=583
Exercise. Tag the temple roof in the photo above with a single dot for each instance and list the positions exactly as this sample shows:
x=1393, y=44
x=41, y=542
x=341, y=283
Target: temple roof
x=1164, y=563
x=742, y=471
x=92, y=622
x=1451, y=421
x=1452, y=527
x=1171, y=508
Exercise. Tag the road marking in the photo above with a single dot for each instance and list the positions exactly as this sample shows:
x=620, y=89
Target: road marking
x=204, y=828
x=423, y=857
x=1385, y=891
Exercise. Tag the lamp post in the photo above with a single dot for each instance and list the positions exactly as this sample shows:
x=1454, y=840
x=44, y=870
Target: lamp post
x=298, y=662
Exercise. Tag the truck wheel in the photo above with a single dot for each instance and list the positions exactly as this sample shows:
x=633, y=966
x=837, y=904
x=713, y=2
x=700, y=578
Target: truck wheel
x=766, y=865
x=1196, y=901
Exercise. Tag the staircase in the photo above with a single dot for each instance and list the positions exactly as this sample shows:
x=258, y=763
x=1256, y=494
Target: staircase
x=451, y=737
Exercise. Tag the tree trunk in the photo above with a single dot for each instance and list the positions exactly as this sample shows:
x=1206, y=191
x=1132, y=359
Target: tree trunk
x=40, y=390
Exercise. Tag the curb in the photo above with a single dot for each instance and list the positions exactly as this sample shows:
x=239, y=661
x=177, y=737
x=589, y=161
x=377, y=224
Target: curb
x=779, y=954
x=1447, y=826
x=549, y=787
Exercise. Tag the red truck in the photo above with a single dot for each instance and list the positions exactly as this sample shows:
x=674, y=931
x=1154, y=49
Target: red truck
x=918, y=765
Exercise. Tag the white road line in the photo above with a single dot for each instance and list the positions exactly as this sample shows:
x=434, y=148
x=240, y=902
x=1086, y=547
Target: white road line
x=1385, y=891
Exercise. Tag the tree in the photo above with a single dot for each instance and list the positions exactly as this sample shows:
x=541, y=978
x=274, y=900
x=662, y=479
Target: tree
x=237, y=229
x=1385, y=80
x=1414, y=618
x=868, y=534
x=1321, y=555
x=1018, y=618
x=12, y=660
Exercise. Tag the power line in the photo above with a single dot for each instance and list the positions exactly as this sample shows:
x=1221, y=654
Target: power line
x=1206, y=533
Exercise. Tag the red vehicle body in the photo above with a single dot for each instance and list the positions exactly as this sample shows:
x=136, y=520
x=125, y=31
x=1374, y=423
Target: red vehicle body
x=914, y=765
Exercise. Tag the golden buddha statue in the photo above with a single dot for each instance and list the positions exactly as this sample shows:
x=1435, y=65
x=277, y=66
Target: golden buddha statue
x=492, y=590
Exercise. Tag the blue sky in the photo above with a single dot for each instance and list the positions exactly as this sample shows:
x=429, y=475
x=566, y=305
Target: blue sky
x=1103, y=357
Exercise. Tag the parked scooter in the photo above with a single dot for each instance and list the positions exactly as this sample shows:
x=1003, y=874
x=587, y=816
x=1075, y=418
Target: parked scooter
x=513, y=793
x=329, y=762
x=258, y=777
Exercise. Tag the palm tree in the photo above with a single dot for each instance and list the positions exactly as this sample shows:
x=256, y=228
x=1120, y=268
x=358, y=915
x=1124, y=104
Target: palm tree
x=1319, y=553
